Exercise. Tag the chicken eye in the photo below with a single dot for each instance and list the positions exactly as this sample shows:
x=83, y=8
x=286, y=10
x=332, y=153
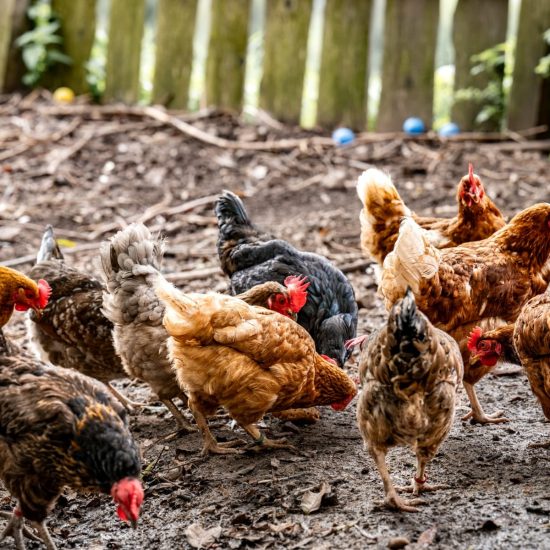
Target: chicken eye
x=483, y=345
x=280, y=299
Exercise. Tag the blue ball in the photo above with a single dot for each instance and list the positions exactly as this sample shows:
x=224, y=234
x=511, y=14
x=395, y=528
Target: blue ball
x=414, y=125
x=449, y=129
x=343, y=136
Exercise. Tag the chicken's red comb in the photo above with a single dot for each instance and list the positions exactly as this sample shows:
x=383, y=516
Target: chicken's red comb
x=44, y=293
x=474, y=338
x=471, y=174
x=297, y=288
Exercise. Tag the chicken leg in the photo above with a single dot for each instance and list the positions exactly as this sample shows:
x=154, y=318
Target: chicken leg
x=392, y=499
x=419, y=484
x=477, y=413
x=178, y=415
x=16, y=528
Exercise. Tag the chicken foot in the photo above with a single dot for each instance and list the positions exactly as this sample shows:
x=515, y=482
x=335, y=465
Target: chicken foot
x=178, y=415
x=16, y=528
x=392, y=499
x=125, y=402
x=261, y=442
x=477, y=413
x=210, y=445
x=419, y=484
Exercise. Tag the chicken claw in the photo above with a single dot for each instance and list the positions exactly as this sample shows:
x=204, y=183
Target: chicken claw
x=16, y=528
x=211, y=446
x=395, y=502
x=416, y=488
x=482, y=418
x=263, y=443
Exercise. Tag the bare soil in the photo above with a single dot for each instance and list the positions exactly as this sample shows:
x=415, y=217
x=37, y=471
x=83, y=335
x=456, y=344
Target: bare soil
x=108, y=170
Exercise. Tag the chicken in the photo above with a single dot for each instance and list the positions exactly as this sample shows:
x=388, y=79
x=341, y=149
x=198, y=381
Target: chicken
x=131, y=261
x=532, y=343
x=486, y=281
x=250, y=257
x=19, y=292
x=410, y=373
x=383, y=209
x=247, y=359
x=527, y=341
x=72, y=331
x=58, y=429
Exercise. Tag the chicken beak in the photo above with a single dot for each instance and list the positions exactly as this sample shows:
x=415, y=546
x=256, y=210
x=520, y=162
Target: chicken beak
x=293, y=315
x=475, y=358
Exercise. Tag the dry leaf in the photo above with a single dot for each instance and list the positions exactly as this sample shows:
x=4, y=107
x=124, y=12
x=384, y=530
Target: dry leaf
x=311, y=502
x=198, y=537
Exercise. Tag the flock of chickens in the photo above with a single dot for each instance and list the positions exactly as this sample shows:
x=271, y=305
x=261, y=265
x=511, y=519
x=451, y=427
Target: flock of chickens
x=462, y=294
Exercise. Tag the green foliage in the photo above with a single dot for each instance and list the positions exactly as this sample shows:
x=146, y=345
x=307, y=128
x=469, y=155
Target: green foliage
x=40, y=45
x=492, y=99
x=543, y=67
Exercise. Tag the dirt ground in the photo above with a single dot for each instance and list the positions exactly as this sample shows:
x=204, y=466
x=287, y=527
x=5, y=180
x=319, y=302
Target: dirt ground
x=89, y=174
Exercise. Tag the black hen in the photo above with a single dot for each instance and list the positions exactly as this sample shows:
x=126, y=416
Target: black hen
x=250, y=257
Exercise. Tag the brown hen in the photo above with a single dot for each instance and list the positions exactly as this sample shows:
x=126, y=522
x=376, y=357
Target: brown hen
x=410, y=373
x=383, y=210
x=486, y=281
x=247, y=359
x=58, y=428
x=72, y=331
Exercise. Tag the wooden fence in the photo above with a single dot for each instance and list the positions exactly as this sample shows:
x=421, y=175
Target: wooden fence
x=410, y=36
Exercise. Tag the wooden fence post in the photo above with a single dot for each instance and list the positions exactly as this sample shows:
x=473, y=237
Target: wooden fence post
x=13, y=23
x=408, y=67
x=227, y=53
x=124, y=50
x=469, y=18
x=529, y=103
x=285, y=52
x=343, y=74
x=78, y=32
x=174, y=53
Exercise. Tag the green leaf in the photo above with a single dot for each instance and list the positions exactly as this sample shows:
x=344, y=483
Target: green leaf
x=58, y=57
x=33, y=54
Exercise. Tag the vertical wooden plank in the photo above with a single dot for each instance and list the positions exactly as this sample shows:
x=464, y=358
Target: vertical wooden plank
x=225, y=68
x=408, y=66
x=285, y=51
x=343, y=75
x=493, y=19
x=78, y=32
x=528, y=104
x=13, y=23
x=124, y=50
x=174, y=52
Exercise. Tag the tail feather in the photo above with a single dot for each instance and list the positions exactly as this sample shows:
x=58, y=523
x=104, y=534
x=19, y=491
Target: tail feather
x=412, y=260
x=230, y=210
x=130, y=262
x=49, y=248
x=409, y=324
x=382, y=212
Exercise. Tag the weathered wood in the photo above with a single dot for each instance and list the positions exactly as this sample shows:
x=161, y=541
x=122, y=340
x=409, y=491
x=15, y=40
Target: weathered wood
x=343, y=74
x=285, y=52
x=13, y=23
x=78, y=31
x=529, y=102
x=124, y=50
x=174, y=52
x=227, y=53
x=493, y=19
x=408, y=67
